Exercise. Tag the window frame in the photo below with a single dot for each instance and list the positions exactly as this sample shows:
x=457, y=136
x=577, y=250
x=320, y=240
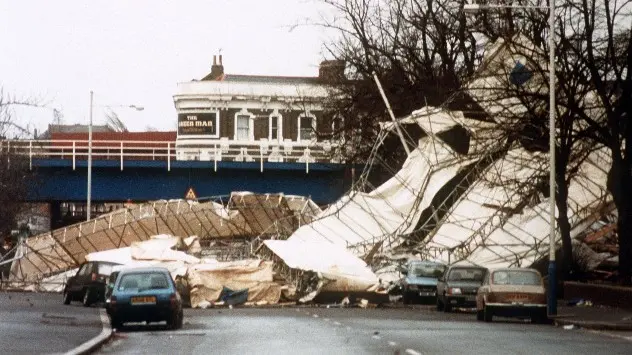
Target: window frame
x=306, y=115
x=279, y=118
x=251, y=125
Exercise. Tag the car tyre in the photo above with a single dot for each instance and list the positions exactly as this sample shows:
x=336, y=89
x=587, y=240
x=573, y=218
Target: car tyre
x=87, y=298
x=540, y=317
x=405, y=297
x=67, y=297
x=479, y=314
x=175, y=322
x=487, y=314
x=439, y=305
x=116, y=323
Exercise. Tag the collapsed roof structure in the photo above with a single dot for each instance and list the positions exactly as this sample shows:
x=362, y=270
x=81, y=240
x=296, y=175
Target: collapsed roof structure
x=466, y=192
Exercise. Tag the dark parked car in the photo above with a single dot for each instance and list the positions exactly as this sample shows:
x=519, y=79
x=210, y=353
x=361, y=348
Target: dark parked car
x=145, y=294
x=88, y=284
x=458, y=287
x=420, y=281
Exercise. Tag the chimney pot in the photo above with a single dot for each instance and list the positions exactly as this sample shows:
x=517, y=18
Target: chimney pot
x=220, y=60
x=214, y=60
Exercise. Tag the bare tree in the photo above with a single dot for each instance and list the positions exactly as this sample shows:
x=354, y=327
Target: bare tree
x=113, y=120
x=420, y=50
x=600, y=41
x=14, y=169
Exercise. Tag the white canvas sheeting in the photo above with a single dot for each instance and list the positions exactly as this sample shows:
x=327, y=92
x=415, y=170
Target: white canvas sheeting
x=208, y=280
x=392, y=208
x=347, y=271
x=477, y=231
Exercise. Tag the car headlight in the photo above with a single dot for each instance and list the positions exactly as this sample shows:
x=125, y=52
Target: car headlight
x=454, y=291
x=413, y=287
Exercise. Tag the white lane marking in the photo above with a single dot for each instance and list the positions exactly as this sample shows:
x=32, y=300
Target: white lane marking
x=610, y=334
x=392, y=343
x=326, y=319
x=106, y=332
x=376, y=337
x=412, y=352
x=337, y=323
x=315, y=316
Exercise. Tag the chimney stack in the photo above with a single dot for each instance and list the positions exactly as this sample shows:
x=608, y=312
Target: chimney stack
x=332, y=71
x=217, y=70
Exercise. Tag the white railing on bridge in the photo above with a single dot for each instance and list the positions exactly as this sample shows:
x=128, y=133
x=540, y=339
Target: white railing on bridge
x=169, y=151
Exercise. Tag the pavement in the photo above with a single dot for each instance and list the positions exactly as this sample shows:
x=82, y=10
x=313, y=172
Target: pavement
x=39, y=323
x=593, y=316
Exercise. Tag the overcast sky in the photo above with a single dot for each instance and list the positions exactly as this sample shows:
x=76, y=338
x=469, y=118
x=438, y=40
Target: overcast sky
x=135, y=51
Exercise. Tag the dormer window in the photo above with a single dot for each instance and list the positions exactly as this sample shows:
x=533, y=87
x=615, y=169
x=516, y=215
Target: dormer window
x=306, y=127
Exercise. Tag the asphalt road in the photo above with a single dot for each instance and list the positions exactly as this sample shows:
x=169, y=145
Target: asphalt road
x=356, y=331
x=38, y=323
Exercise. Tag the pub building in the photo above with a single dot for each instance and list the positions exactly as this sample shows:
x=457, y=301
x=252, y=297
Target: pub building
x=246, y=118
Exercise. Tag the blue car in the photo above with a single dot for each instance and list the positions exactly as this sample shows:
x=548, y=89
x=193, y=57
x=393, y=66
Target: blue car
x=144, y=294
x=420, y=281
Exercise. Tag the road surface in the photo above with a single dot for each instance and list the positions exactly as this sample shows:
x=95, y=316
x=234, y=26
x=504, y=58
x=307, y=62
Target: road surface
x=356, y=331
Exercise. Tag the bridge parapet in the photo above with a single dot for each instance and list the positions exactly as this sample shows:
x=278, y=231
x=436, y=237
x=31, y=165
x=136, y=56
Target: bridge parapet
x=168, y=151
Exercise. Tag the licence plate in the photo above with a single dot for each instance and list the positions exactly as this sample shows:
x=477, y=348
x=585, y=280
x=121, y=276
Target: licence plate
x=426, y=293
x=518, y=297
x=143, y=300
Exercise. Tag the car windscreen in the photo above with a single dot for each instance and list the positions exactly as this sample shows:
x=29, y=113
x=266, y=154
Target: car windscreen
x=466, y=274
x=515, y=277
x=143, y=281
x=105, y=269
x=426, y=270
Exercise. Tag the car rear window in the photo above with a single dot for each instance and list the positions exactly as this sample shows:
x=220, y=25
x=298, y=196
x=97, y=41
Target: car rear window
x=104, y=269
x=515, y=277
x=143, y=281
x=427, y=270
x=466, y=274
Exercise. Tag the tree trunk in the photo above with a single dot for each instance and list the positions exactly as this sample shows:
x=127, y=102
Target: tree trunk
x=619, y=179
x=561, y=200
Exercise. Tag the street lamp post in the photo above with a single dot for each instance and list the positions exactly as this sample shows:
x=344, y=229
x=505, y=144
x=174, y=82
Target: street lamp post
x=89, y=192
x=473, y=8
x=89, y=183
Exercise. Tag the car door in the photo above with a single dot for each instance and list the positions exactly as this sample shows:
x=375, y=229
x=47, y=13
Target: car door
x=482, y=291
x=441, y=285
x=81, y=278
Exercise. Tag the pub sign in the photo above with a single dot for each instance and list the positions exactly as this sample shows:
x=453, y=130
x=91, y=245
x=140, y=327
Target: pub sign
x=197, y=123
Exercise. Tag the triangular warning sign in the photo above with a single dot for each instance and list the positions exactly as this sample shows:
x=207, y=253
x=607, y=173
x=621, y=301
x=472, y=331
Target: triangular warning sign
x=190, y=195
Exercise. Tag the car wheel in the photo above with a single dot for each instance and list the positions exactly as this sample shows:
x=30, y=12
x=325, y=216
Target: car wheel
x=479, y=314
x=487, y=314
x=87, y=298
x=116, y=323
x=180, y=320
x=439, y=304
x=405, y=297
x=539, y=317
x=67, y=297
x=175, y=322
